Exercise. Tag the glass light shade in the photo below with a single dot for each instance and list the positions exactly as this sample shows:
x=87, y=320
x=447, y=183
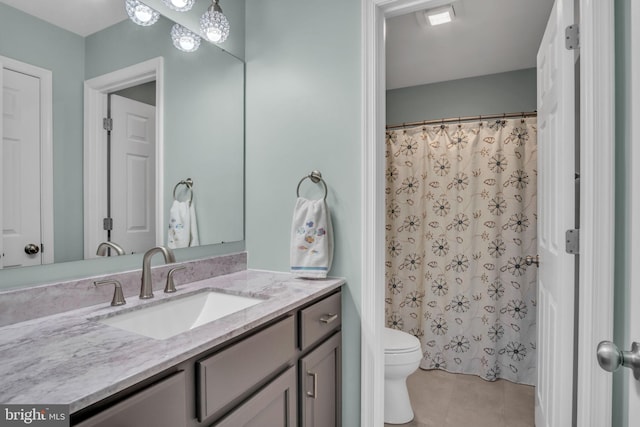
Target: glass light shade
x=184, y=39
x=214, y=26
x=140, y=13
x=180, y=5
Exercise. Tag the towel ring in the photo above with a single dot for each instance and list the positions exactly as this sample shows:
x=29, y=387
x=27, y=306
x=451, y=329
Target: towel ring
x=189, y=183
x=315, y=177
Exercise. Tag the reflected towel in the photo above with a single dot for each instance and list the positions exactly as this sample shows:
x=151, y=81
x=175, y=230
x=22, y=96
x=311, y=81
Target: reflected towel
x=311, y=239
x=183, y=226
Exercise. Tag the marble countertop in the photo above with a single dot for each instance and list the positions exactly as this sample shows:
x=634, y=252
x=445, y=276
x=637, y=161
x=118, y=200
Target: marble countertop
x=70, y=358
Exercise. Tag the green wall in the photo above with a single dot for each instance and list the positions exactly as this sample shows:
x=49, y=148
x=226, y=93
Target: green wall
x=38, y=43
x=513, y=91
x=303, y=113
x=622, y=218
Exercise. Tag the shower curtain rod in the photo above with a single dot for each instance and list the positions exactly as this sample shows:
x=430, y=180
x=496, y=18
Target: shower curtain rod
x=464, y=119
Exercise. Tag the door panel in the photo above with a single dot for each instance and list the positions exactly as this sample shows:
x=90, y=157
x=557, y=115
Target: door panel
x=133, y=171
x=20, y=168
x=556, y=207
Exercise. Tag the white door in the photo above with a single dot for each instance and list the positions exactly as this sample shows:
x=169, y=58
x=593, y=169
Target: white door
x=20, y=181
x=133, y=163
x=556, y=207
x=632, y=308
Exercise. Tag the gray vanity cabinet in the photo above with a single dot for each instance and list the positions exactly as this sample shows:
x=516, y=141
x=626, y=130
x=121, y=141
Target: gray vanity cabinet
x=283, y=374
x=320, y=373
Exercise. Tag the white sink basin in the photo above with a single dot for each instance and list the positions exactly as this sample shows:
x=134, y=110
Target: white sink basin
x=166, y=319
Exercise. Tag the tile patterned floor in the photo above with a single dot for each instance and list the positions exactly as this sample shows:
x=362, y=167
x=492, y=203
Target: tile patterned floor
x=441, y=399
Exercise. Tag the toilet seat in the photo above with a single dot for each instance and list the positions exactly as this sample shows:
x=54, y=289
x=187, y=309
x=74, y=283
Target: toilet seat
x=398, y=342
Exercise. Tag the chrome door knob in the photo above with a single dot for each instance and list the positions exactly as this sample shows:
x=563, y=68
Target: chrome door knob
x=610, y=358
x=31, y=249
x=529, y=260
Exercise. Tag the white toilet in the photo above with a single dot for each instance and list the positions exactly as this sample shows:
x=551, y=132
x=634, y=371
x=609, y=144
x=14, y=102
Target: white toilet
x=402, y=354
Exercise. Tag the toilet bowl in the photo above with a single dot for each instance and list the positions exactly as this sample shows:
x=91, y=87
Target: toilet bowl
x=402, y=354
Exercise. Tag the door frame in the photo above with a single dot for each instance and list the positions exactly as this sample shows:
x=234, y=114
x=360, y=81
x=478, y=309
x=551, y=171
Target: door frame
x=595, y=302
x=96, y=93
x=46, y=150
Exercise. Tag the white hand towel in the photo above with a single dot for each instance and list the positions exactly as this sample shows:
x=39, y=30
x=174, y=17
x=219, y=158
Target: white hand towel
x=183, y=227
x=311, y=239
x=195, y=241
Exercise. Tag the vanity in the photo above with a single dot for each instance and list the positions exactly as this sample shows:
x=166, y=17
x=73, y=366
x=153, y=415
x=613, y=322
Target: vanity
x=276, y=362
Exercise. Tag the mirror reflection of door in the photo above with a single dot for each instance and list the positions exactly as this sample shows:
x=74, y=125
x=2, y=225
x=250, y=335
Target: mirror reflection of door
x=20, y=169
x=132, y=192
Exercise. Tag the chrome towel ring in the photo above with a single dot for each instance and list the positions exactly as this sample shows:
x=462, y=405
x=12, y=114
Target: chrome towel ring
x=315, y=177
x=189, y=184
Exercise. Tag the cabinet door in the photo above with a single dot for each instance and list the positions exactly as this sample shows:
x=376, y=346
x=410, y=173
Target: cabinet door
x=161, y=405
x=273, y=406
x=320, y=373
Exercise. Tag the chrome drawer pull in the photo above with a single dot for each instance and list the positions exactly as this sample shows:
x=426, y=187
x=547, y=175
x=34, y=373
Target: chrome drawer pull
x=314, y=376
x=328, y=318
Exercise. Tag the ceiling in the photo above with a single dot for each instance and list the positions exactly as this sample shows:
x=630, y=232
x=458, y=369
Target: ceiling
x=82, y=17
x=487, y=37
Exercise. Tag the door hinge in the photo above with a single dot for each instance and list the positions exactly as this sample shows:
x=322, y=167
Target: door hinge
x=107, y=224
x=107, y=124
x=572, y=239
x=572, y=37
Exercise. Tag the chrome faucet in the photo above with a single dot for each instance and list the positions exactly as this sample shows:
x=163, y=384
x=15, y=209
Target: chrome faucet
x=146, y=288
x=102, y=248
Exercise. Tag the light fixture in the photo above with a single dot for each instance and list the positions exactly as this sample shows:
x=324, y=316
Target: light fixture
x=140, y=13
x=214, y=25
x=180, y=5
x=440, y=15
x=183, y=39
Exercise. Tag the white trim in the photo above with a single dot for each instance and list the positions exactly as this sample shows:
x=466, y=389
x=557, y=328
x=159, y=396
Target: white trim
x=596, y=259
x=633, y=195
x=372, y=274
x=46, y=150
x=597, y=152
x=95, y=108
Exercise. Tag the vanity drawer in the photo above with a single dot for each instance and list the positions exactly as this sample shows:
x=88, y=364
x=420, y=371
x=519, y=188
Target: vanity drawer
x=234, y=371
x=160, y=405
x=320, y=319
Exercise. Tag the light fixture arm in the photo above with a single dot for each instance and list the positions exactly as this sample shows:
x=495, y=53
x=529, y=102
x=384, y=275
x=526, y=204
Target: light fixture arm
x=215, y=7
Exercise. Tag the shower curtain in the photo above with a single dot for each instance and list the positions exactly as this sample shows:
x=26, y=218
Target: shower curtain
x=461, y=218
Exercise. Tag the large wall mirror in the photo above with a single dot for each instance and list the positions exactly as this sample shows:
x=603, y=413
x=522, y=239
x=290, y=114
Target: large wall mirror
x=200, y=135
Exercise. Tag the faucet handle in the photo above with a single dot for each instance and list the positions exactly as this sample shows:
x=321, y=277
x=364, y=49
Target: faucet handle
x=118, y=296
x=170, y=287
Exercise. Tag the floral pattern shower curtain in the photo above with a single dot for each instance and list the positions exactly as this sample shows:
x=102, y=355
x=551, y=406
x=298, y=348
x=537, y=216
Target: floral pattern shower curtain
x=461, y=218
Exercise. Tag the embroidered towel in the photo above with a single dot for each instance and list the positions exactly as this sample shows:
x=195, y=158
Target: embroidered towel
x=311, y=239
x=183, y=226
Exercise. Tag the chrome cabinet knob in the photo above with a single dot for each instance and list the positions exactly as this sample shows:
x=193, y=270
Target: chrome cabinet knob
x=610, y=358
x=31, y=249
